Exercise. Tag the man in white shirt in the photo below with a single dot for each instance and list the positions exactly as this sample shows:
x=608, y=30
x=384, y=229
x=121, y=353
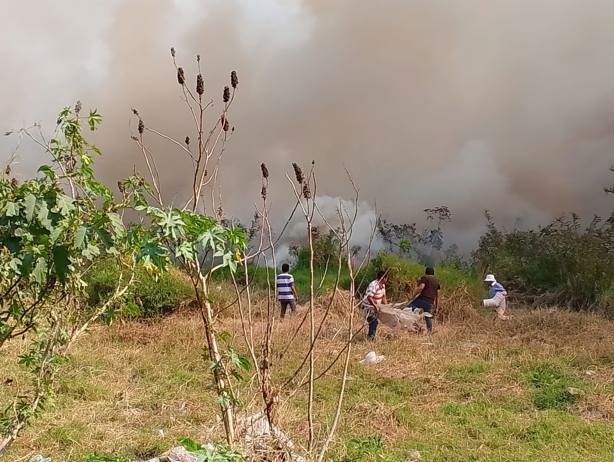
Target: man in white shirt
x=375, y=296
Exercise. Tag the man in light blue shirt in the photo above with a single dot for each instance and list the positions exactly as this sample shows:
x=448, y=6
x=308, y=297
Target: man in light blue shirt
x=497, y=294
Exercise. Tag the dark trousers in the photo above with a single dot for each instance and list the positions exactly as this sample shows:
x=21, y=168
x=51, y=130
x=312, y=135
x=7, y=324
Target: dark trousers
x=373, y=322
x=427, y=307
x=284, y=307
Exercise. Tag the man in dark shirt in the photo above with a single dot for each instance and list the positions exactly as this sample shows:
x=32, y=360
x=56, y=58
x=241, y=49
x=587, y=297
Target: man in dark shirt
x=426, y=296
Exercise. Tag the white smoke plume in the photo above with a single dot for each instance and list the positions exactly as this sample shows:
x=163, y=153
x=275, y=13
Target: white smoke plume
x=476, y=105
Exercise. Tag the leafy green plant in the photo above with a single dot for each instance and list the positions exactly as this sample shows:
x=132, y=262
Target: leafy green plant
x=206, y=454
x=196, y=238
x=52, y=230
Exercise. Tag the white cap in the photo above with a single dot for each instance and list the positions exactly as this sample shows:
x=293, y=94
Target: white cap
x=490, y=278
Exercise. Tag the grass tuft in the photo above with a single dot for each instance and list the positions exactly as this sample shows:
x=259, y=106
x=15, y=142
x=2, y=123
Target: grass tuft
x=552, y=387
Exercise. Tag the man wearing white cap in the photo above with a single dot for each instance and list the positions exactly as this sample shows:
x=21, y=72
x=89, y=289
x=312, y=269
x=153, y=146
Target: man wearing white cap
x=497, y=294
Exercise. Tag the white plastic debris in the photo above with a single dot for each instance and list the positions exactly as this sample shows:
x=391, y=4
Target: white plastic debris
x=39, y=458
x=574, y=391
x=372, y=358
x=259, y=435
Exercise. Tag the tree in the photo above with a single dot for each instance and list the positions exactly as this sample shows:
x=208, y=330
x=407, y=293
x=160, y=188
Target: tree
x=52, y=230
x=195, y=237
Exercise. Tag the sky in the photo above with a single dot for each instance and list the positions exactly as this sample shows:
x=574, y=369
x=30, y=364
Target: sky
x=506, y=105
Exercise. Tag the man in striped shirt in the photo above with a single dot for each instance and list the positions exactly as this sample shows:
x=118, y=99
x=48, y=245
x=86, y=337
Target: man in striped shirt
x=286, y=292
x=375, y=296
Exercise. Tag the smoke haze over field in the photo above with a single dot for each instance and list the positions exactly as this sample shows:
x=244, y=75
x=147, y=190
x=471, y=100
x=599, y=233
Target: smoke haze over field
x=505, y=105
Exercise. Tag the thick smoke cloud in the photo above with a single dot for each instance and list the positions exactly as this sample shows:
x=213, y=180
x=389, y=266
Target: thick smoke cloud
x=504, y=105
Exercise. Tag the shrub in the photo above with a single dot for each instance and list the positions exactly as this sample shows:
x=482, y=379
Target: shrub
x=148, y=296
x=561, y=263
x=403, y=276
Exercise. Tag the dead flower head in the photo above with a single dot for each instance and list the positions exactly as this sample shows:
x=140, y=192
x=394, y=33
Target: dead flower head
x=298, y=172
x=141, y=126
x=306, y=191
x=200, y=84
x=226, y=95
x=263, y=192
x=173, y=52
x=187, y=140
x=265, y=171
x=234, y=80
x=226, y=125
x=180, y=76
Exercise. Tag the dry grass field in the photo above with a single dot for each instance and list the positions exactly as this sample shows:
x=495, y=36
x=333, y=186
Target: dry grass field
x=539, y=387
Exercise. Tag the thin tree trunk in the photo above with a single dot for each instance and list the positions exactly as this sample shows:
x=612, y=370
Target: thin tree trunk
x=311, y=340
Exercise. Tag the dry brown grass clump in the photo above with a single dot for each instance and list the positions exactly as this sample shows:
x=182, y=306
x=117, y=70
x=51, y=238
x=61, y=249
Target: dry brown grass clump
x=458, y=305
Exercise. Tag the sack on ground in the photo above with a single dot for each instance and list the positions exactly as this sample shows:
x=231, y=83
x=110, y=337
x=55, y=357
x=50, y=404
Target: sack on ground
x=398, y=316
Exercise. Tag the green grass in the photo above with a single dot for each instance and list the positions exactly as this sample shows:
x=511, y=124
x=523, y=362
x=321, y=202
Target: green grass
x=364, y=449
x=100, y=458
x=469, y=373
x=552, y=387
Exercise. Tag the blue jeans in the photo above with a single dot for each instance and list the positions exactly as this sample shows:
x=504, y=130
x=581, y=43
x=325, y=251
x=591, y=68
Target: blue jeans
x=427, y=307
x=373, y=322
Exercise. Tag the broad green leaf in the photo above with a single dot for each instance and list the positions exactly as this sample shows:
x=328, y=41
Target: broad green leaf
x=64, y=204
x=47, y=171
x=55, y=234
x=26, y=263
x=43, y=215
x=153, y=256
x=30, y=203
x=171, y=224
x=116, y=223
x=80, y=237
x=91, y=251
x=189, y=444
x=40, y=271
x=61, y=261
x=240, y=362
x=11, y=209
x=185, y=250
x=105, y=237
